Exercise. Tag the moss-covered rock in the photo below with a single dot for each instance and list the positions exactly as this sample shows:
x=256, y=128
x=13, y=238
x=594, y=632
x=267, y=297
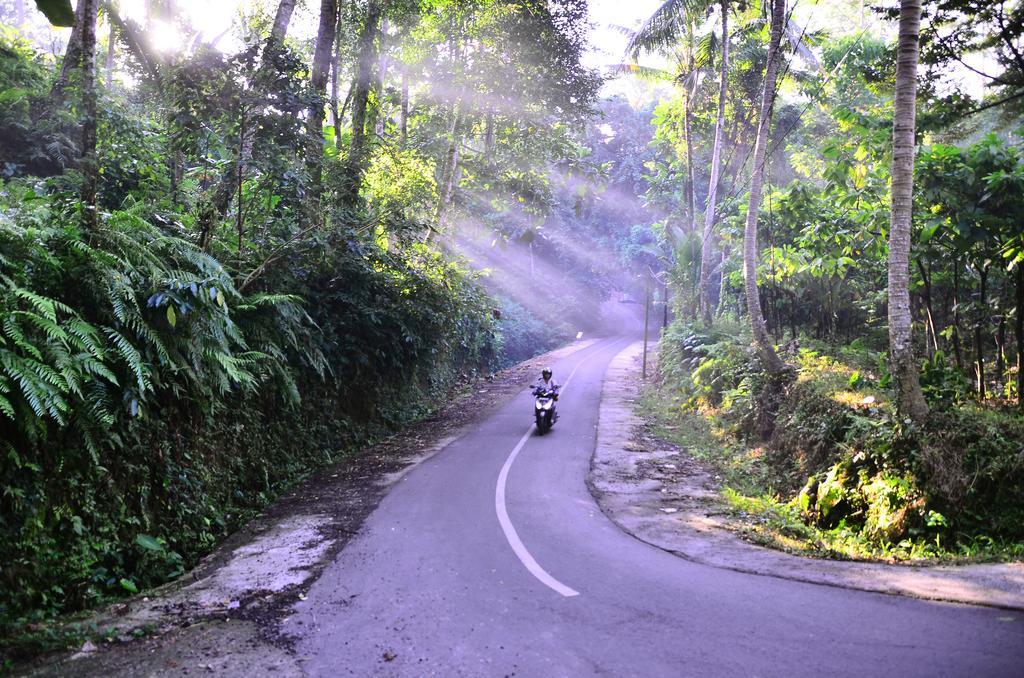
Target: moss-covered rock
x=894, y=505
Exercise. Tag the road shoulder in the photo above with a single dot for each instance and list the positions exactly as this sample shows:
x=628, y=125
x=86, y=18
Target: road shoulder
x=663, y=497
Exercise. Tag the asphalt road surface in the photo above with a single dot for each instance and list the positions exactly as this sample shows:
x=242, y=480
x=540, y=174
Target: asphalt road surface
x=492, y=559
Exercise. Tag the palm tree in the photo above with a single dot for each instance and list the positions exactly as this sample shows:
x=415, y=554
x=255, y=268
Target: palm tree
x=693, y=57
x=757, y=324
x=707, y=312
x=664, y=27
x=909, y=399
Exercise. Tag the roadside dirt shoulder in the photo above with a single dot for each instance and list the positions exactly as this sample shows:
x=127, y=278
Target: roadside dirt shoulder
x=660, y=495
x=224, y=617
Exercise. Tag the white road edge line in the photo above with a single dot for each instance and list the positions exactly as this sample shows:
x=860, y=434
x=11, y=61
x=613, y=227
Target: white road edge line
x=510, y=531
x=528, y=561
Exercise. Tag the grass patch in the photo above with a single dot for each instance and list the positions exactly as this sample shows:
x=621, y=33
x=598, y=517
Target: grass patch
x=703, y=439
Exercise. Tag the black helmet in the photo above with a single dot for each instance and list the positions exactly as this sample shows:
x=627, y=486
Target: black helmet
x=546, y=373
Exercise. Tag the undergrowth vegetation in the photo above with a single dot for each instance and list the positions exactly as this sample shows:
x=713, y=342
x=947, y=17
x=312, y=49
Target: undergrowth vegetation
x=150, y=407
x=523, y=335
x=837, y=473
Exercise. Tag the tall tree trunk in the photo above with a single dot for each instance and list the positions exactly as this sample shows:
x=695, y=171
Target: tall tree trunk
x=335, y=77
x=928, y=306
x=956, y=315
x=979, y=343
x=355, y=164
x=691, y=183
x=716, y=159
x=315, y=122
x=722, y=282
x=909, y=399
x=85, y=14
x=218, y=204
x=282, y=17
x=450, y=168
x=354, y=167
x=403, y=124
x=664, y=310
x=792, y=315
x=691, y=200
x=239, y=211
x=1019, y=333
x=762, y=342
x=489, y=135
x=380, y=80
x=335, y=121
x=108, y=71
x=1001, y=349
x=90, y=171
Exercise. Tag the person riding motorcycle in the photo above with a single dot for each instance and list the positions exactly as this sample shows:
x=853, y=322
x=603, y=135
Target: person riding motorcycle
x=547, y=383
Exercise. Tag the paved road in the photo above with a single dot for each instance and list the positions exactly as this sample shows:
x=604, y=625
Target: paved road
x=433, y=585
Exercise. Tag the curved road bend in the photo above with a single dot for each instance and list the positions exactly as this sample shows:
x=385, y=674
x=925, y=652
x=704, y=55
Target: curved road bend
x=433, y=586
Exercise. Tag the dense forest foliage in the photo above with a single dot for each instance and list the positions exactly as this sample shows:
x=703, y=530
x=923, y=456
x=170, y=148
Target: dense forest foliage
x=223, y=266
x=227, y=259
x=874, y=376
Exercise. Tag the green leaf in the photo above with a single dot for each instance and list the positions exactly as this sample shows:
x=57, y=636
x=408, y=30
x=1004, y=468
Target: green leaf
x=129, y=586
x=172, y=319
x=929, y=231
x=149, y=543
x=58, y=12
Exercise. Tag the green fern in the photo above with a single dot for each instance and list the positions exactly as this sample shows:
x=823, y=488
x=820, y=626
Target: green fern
x=87, y=342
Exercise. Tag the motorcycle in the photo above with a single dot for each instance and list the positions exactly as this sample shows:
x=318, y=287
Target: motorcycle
x=544, y=409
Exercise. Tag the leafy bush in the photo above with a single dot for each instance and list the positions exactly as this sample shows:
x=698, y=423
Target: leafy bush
x=704, y=363
x=35, y=136
x=811, y=427
x=943, y=384
x=838, y=455
x=972, y=462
